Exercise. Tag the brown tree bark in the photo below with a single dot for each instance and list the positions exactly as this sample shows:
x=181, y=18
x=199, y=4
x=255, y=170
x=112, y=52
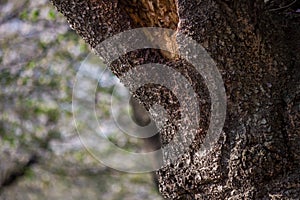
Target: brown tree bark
x=256, y=47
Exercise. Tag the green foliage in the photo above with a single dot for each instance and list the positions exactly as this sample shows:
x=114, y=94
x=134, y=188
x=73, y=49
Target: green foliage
x=30, y=15
x=6, y=77
x=31, y=64
x=52, y=14
x=29, y=173
x=34, y=15
x=24, y=15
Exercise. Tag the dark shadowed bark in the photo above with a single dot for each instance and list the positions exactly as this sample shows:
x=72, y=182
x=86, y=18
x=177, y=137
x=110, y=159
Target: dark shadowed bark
x=256, y=47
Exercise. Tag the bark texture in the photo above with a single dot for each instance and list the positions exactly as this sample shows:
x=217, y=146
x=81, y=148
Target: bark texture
x=256, y=47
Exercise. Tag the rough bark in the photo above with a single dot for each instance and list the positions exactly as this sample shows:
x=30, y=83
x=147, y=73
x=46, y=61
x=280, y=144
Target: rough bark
x=256, y=48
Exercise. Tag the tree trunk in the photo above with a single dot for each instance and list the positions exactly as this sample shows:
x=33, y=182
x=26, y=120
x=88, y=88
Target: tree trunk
x=255, y=45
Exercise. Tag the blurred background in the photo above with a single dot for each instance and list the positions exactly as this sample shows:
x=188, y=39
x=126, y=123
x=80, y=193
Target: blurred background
x=41, y=155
